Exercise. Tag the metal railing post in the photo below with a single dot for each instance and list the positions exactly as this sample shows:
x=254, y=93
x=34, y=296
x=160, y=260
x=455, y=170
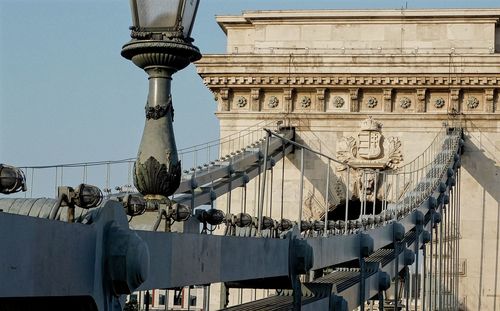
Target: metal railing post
x=327, y=198
x=301, y=190
x=347, y=199
x=263, y=186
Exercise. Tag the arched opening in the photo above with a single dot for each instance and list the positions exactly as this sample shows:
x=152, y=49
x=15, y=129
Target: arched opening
x=338, y=213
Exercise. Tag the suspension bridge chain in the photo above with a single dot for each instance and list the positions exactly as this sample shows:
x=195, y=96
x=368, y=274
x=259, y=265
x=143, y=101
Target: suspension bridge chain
x=414, y=199
x=115, y=176
x=309, y=261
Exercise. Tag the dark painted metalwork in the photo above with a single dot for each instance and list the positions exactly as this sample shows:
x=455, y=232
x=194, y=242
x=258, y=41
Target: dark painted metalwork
x=12, y=179
x=116, y=260
x=160, y=50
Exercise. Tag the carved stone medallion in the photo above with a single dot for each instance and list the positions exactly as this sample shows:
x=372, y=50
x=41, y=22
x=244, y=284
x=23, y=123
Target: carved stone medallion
x=273, y=102
x=338, y=101
x=405, y=102
x=305, y=102
x=439, y=103
x=472, y=102
x=242, y=102
x=371, y=102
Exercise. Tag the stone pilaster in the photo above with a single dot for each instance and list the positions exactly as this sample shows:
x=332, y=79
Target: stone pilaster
x=489, y=95
x=421, y=94
x=387, y=97
x=320, y=96
x=354, y=93
x=455, y=100
x=288, y=98
x=255, y=99
x=224, y=99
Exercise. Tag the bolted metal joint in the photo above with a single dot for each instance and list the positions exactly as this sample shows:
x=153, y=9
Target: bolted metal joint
x=432, y=203
x=409, y=257
x=243, y=220
x=87, y=196
x=12, y=179
x=398, y=232
x=285, y=225
x=267, y=223
x=419, y=218
x=84, y=196
x=426, y=237
x=305, y=226
x=384, y=281
x=318, y=225
x=134, y=204
x=338, y=303
x=450, y=172
x=179, y=212
x=366, y=245
x=127, y=260
x=444, y=198
x=437, y=218
x=212, y=217
x=301, y=257
x=442, y=187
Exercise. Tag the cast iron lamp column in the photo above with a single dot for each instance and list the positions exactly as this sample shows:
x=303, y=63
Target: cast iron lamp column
x=160, y=52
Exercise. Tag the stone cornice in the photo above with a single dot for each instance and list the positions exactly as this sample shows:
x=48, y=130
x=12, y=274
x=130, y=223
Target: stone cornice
x=227, y=115
x=359, y=16
x=304, y=64
x=350, y=80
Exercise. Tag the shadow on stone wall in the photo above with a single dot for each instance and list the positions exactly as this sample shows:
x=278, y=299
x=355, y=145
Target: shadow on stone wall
x=480, y=159
x=315, y=168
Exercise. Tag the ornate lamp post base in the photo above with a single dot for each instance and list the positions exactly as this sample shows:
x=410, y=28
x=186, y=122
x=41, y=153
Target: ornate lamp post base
x=157, y=170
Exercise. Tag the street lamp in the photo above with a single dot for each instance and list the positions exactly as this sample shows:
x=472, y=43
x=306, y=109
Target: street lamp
x=161, y=45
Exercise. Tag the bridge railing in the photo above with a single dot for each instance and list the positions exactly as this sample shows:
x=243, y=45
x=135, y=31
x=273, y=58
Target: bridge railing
x=203, y=155
x=415, y=181
x=117, y=175
x=384, y=195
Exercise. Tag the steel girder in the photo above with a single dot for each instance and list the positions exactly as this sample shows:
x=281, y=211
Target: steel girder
x=104, y=259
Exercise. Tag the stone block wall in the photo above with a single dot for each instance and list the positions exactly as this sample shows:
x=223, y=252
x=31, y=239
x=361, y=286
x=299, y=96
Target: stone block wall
x=323, y=72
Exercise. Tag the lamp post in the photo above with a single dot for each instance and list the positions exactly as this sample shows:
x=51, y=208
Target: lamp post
x=160, y=45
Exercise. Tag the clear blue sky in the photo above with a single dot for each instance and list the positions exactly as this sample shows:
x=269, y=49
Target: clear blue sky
x=66, y=94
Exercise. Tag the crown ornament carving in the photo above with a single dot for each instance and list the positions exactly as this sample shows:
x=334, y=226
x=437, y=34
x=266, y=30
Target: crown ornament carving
x=370, y=125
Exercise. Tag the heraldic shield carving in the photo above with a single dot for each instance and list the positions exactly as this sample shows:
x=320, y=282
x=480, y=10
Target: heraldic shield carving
x=371, y=149
x=369, y=143
x=368, y=155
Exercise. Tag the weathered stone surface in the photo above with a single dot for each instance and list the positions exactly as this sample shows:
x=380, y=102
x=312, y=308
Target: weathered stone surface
x=411, y=70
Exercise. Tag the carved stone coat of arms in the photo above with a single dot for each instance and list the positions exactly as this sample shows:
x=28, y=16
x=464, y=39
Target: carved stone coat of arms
x=367, y=153
x=371, y=149
x=369, y=144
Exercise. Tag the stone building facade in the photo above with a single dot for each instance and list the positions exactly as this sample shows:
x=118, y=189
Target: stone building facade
x=324, y=72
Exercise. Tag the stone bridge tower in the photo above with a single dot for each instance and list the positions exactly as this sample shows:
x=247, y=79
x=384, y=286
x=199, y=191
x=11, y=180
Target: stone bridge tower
x=326, y=72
